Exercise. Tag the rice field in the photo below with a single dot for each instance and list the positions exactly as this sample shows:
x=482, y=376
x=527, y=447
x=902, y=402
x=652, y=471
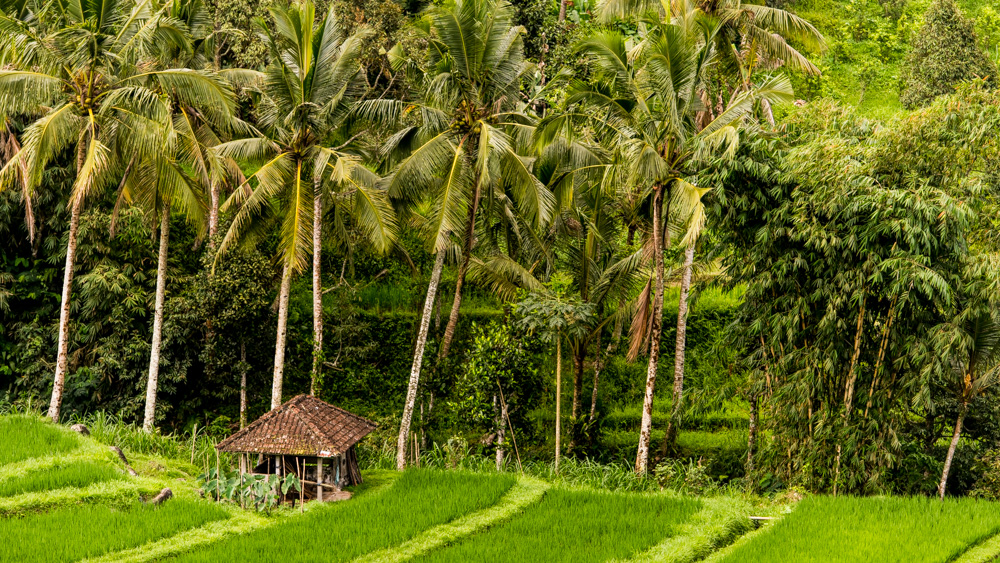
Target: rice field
x=79, y=474
x=25, y=437
x=395, y=518
x=823, y=529
x=577, y=526
x=77, y=532
x=341, y=531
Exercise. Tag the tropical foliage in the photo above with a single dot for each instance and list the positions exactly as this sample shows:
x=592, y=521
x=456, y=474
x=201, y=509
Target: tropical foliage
x=482, y=191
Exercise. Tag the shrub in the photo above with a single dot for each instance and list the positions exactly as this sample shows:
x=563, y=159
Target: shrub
x=691, y=477
x=945, y=52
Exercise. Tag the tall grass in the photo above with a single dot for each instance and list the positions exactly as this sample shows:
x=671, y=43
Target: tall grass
x=193, y=447
x=79, y=474
x=613, y=476
x=74, y=533
x=578, y=527
x=880, y=529
x=25, y=436
x=341, y=531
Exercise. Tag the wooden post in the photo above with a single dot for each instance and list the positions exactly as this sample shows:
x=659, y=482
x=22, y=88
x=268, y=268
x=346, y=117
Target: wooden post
x=277, y=471
x=319, y=479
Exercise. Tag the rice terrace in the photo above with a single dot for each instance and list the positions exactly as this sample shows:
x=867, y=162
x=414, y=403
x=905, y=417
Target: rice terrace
x=482, y=281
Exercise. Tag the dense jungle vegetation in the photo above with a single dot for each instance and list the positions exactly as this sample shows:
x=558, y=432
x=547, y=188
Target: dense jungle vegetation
x=717, y=241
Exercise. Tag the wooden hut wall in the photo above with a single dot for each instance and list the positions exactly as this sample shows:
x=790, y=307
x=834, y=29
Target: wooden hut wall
x=352, y=476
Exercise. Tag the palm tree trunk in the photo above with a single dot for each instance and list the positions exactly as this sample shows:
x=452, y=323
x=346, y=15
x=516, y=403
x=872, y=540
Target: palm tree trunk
x=317, y=287
x=562, y=10
x=243, y=384
x=598, y=366
x=579, y=360
x=558, y=398
x=470, y=233
x=62, y=353
x=678, y=395
x=213, y=213
x=642, y=455
x=501, y=417
x=154, y=354
x=418, y=359
x=751, y=436
x=279, y=344
x=951, y=450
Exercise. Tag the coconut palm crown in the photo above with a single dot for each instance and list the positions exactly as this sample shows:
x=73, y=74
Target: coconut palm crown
x=84, y=72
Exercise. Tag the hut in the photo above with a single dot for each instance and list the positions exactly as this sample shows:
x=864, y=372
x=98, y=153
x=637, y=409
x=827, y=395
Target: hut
x=308, y=437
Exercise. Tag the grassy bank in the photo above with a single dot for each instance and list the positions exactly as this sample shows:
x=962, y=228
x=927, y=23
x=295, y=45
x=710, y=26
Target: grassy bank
x=577, y=526
x=919, y=529
x=342, y=531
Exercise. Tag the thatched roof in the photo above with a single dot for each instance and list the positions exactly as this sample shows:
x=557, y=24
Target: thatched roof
x=303, y=426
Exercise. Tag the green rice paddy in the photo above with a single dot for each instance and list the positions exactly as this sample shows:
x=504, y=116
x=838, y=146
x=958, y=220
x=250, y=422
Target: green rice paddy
x=79, y=474
x=77, y=532
x=434, y=516
x=25, y=437
x=913, y=530
x=577, y=526
x=341, y=531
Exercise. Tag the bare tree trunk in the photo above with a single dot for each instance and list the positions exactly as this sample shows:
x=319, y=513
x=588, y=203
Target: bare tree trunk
x=562, y=10
x=598, y=366
x=279, y=345
x=751, y=436
x=951, y=450
x=154, y=354
x=418, y=359
x=558, y=398
x=62, y=353
x=500, y=433
x=243, y=384
x=213, y=213
x=678, y=395
x=579, y=359
x=463, y=268
x=642, y=455
x=317, y=287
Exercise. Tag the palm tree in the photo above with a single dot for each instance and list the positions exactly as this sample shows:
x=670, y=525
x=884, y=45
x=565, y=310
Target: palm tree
x=310, y=86
x=604, y=274
x=975, y=367
x=163, y=183
x=199, y=130
x=763, y=34
x=553, y=316
x=75, y=68
x=469, y=144
x=645, y=107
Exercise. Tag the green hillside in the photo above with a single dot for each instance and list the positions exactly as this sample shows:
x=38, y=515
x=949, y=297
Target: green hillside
x=868, y=41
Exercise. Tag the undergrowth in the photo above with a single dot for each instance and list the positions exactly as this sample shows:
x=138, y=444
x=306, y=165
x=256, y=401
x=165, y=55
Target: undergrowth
x=194, y=447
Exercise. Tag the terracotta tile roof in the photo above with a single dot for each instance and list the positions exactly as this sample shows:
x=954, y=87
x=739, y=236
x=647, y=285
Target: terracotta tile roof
x=303, y=426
